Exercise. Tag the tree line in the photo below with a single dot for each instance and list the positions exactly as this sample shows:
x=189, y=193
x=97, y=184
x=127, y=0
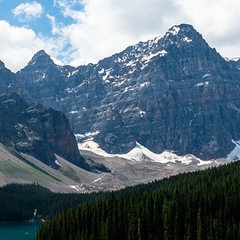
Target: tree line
x=19, y=201
x=199, y=205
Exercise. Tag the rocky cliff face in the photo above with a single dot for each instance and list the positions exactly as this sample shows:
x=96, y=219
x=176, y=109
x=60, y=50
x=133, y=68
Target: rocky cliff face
x=37, y=130
x=173, y=92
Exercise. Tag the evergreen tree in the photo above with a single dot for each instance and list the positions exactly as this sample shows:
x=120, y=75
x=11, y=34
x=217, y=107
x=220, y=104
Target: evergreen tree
x=199, y=205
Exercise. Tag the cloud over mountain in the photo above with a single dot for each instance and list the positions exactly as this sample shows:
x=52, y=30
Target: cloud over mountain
x=79, y=32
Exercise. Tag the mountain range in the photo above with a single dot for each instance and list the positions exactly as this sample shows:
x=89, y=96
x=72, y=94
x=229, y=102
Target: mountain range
x=172, y=93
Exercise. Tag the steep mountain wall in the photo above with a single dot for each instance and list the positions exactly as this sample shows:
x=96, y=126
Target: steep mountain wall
x=173, y=92
x=37, y=130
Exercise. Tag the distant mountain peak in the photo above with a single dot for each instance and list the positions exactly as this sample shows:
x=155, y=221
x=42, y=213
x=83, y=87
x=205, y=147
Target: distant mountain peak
x=181, y=28
x=183, y=34
x=178, y=36
x=2, y=64
x=41, y=58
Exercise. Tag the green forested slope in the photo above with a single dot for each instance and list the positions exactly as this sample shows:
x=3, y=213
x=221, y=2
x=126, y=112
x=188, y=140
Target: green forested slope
x=200, y=205
x=18, y=202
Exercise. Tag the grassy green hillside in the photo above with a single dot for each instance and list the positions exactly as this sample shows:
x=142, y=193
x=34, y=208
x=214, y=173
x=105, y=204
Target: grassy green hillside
x=23, y=168
x=20, y=168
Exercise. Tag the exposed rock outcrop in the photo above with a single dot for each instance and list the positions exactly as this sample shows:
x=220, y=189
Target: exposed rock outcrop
x=37, y=130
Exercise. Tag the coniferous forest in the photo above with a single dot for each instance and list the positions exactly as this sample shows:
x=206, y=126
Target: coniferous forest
x=18, y=202
x=199, y=205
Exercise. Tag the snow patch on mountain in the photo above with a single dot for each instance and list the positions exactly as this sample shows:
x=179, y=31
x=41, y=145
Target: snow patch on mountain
x=174, y=30
x=206, y=75
x=141, y=153
x=88, y=135
x=232, y=59
x=73, y=112
x=161, y=53
x=144, y=84
x=186, y=39
x=201, y=84
x=235, y=153
x=58, y=163
x=94, y=147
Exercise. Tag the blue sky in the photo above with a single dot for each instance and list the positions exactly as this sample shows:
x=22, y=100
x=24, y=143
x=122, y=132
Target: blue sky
x=78, y=32
x=36, y=20
x=35, y=14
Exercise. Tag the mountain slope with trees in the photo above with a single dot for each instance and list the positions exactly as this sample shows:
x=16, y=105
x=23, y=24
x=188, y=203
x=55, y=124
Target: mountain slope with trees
x=199, y=205
x=19, y=202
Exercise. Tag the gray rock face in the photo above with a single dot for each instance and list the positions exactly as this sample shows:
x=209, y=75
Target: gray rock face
x=37, y=130
x=7, y=79
x=173, y=93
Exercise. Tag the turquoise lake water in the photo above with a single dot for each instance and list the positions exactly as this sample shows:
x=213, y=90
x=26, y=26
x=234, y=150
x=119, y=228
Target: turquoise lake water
x=19, y=231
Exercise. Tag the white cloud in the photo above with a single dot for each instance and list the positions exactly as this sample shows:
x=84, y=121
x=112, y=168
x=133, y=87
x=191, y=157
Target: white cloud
x=18, y=45
x=217, y=20
x=105, y=27
x=101, y=28
x=55, y=28
x=27, y=11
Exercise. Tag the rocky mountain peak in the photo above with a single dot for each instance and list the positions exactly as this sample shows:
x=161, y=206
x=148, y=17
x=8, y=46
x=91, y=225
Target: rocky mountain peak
x=179, y=40
x=2, y=64
x=183, y=34
x=7, y=79
x=41, y=58
x=181, y=29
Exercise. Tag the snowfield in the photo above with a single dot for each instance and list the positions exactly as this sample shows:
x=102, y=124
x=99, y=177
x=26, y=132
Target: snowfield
x=140, y=153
